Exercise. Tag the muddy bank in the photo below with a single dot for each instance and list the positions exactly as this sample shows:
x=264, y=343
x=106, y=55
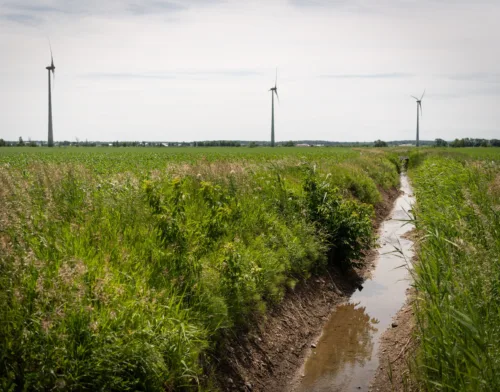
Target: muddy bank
x=396, y=353
x=268, y=356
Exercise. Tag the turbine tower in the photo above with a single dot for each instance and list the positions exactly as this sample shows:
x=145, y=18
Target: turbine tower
x=274, y=90
x=419, y=108
x=51, y=68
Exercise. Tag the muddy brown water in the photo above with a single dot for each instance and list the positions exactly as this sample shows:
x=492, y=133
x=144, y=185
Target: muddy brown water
x=345, y=357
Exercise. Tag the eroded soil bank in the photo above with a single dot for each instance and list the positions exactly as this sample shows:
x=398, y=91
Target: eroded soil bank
x=268, y=357
x=396, y=353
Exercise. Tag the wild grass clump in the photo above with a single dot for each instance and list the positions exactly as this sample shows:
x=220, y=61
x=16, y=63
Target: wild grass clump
x=126, y=279
x=457, y=276
x=347, y=224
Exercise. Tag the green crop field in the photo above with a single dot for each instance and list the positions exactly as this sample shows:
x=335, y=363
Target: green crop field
x=124, y=269
x=457, y=274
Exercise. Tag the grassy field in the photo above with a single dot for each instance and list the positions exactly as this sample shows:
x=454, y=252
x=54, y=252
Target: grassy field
x=123, y=269
x=457, y=276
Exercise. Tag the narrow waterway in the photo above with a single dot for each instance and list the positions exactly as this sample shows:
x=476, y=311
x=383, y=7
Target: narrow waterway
x=345, y=357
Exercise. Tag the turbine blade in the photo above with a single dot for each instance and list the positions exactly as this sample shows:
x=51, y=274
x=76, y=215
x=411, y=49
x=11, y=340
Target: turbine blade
x=50, y=47
x=276, y=91
x=52, y=61
x=414, y=97
x=420, y=106
x=422, y=95
x=276, y=80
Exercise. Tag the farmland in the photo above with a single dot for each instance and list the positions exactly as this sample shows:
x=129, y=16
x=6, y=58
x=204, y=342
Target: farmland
x=124, y=269
x=127, y=269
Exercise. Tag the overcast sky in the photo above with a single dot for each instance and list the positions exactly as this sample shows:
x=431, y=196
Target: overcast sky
x=201, y=69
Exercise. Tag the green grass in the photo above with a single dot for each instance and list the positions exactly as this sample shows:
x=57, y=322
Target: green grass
x=457, y=276
x=123, y=269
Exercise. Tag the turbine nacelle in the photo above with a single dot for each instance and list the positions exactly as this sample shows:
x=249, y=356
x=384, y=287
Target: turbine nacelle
x=275, y=88
x=51, y=67
x=419, y=102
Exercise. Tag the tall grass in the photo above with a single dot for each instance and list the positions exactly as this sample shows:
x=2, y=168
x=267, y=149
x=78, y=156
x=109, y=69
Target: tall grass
x=457, y=276
x=116, y=280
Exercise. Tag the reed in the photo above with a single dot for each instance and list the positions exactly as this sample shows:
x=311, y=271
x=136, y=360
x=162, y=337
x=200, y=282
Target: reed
x=457, y=278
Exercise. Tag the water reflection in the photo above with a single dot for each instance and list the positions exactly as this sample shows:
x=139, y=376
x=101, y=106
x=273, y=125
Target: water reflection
x=346, y=341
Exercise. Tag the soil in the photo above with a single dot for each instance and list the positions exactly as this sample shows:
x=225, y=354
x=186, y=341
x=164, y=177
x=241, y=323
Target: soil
x=398, y=345
x=396, y=353
x=266, y=357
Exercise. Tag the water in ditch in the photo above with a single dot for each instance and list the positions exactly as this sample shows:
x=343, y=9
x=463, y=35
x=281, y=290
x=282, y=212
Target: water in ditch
x=345, y=357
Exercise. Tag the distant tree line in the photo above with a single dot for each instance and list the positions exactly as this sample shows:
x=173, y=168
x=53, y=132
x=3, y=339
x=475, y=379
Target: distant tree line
x=468, y=142
x=19, y=143
x=465, y=142
x=218, y=143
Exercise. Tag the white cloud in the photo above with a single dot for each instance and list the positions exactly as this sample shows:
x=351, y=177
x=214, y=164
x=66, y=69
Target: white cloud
x=172, y=70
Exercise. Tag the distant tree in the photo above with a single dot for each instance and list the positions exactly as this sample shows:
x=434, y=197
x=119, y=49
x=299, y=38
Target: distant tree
x=2, y=143
x=441, y=143
x=21, y=142
x=457, y=143
x=380, y=143
x=289, y=144
x=468, y=142
x=252, y=145
x=495, y=143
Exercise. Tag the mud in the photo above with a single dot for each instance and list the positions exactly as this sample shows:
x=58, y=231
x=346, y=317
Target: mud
x=397, y=353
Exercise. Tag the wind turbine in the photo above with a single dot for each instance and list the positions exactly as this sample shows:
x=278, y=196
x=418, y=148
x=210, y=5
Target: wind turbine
x=274, y=90
x=51, y=68
x=419, y=107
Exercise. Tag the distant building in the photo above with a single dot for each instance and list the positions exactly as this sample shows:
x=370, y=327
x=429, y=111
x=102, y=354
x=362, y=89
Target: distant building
x=302, y=145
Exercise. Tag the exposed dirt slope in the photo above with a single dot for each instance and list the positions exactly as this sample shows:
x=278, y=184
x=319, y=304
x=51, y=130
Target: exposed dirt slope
x=396, y=352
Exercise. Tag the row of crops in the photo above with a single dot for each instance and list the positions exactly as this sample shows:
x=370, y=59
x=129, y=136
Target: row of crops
x=124, y=269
